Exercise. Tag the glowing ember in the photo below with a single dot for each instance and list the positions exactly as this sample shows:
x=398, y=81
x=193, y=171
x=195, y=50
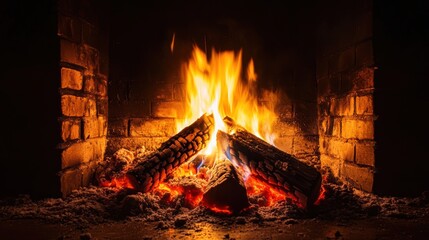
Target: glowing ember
x=270, y=195
x=219, y=210
x=216, y=86
x=118, y=182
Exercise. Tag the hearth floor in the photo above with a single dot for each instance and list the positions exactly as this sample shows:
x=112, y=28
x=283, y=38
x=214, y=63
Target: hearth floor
x=369, y=228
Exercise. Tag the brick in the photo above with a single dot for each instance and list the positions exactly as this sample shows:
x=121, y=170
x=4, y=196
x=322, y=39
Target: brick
x=71, y=79
x=364, y=54
x=92, y=108
x=173, y=109
x=90, y=84
x=284, y=144
x=74, y=106
x=307, y=124
x=70, y=52
x=70, y=28
x=336, y=127
x=91, y=58
x=334, y=164
x=76, y=154
x=365, y=154
x=305, y=146
x=70, y=130
x=150, y=143
x=357, y=129
x=99, y=148
x=179, y=92
x=129, y=109
x=360, y=177
x=118, y=128
x=341, y=150
x=101, y=85
x=285, y=128
x=285, y=110
x=102, y=107
x=89, y=34
x=79, y=54
x=163, y=91
x=331, y=126
x=364, y=105
x=347, y=59
x=364, y=78
x=94, y=127
x=71, y=179
x=343, y=106
x=88, y=171
x=323, y=125
x=152, y=127
x=83, y=152
x=324, y=106
x=323, y=144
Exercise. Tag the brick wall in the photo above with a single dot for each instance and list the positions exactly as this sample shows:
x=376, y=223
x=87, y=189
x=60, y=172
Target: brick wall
x=146, y=92
x=83, y=37
x=345, y=77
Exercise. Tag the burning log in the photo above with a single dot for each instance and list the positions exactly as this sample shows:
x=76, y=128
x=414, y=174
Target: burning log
x=226, y=190
x=151, y=170
x=300, y=182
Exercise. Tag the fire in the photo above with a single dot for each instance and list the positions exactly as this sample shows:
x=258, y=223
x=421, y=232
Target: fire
x=271, y=195
x=118, y=182
x=216, y=86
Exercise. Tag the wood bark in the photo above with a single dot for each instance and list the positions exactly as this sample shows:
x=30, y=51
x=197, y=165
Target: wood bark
x=226, y=189
x=300, y=182
x=151, y=170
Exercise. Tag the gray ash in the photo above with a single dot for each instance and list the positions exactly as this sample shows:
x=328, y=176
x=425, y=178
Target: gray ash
x=95, y=205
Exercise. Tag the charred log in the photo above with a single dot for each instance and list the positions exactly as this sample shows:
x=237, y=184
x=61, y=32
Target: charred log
x=226, y=189
x=300, y=182
x=153, y=169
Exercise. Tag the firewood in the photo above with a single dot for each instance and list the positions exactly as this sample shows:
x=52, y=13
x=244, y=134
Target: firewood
x=150, y=171
x=226, y=189
x=300, y=182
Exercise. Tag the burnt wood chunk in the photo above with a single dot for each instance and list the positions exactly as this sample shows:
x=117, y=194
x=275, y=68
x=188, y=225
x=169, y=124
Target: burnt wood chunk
x=300, y=182
x=226, y=189
x=148, y=172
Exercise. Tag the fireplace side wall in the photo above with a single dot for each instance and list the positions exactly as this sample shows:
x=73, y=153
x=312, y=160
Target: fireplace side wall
x=345, y=75
x=83, y=36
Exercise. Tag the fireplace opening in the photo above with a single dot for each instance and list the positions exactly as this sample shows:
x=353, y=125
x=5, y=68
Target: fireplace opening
x=333, y=86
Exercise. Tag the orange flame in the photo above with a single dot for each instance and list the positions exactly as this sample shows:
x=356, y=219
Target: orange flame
x=256, y=187
x=215, y=86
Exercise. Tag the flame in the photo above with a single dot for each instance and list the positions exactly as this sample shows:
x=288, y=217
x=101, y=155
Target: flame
x=215, y=86
x=172, y=42
x=255, y=187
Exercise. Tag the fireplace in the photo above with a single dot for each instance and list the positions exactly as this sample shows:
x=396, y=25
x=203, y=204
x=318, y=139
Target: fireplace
x=91, y=77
